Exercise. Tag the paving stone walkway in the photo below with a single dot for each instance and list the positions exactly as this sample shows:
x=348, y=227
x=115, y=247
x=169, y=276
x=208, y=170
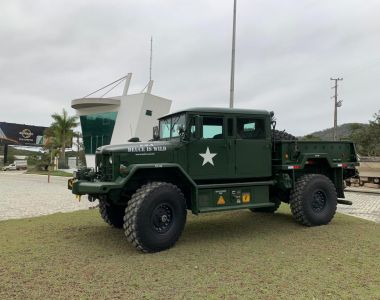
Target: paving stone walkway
x=23, y=195
x=365, y=205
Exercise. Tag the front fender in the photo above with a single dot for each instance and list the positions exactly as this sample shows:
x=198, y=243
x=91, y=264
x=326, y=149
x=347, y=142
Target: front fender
x=132, y=169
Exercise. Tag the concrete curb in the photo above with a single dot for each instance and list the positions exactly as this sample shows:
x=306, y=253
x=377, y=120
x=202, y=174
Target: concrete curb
x=362, y=190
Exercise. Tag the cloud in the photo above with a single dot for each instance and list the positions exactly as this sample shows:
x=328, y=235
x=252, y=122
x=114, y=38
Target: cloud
x=53, y=52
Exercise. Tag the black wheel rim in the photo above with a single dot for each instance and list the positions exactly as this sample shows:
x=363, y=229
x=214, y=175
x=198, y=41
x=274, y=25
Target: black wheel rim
x=319, y=201
x=162, y=218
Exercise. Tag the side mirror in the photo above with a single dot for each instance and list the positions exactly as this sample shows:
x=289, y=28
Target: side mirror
x=181, y=130
x=182, y=133
x=156, y=133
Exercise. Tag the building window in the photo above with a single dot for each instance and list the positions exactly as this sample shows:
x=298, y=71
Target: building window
x=148, y=113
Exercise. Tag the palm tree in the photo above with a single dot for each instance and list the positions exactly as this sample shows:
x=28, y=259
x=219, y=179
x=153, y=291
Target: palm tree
x=78, y=136
x=62, y=131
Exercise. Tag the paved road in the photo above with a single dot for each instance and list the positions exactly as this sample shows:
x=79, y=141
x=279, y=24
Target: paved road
x=364, y=205
x=23, y=195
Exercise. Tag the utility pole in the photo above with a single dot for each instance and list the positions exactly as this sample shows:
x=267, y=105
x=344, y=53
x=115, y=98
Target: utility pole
x=336, y=105
x=232, y=88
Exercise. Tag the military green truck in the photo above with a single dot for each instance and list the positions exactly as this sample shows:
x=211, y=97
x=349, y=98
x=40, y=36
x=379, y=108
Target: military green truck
x=210, y=160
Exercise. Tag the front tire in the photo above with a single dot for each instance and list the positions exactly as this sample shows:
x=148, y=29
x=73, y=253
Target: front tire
x=155, y=217
x=112, y=214
x=313, y=200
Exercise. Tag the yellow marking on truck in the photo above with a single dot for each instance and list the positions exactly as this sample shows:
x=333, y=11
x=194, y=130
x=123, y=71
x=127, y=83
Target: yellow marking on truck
x=246, y=197
x=221, y=201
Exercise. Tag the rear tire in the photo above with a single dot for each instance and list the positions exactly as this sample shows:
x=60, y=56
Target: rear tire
x=155, y=217
x=112, y=214
x=313, y=200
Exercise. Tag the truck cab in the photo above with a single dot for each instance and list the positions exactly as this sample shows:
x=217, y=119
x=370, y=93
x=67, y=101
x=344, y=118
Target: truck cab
x=220, y=144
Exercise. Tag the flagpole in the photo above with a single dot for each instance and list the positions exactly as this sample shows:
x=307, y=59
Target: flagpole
x=232, y=83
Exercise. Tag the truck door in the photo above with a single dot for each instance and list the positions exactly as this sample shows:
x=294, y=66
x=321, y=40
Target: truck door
x=208, y=155
x=253, y=147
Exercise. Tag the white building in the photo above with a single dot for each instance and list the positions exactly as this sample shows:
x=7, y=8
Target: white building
x=114, y=120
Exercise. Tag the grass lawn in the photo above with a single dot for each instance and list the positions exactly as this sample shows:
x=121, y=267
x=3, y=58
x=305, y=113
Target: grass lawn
x=229, y=255
x=52, y=173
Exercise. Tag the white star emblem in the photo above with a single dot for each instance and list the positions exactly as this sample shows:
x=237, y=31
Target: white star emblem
x=207, y=157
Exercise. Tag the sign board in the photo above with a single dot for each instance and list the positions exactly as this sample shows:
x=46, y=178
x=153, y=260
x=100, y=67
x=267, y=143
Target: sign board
x=19, y=134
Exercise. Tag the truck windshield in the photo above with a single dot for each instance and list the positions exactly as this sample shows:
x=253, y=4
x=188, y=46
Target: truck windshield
x=170, y=127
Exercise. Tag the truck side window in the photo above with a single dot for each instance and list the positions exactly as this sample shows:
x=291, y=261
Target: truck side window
x=212, y=128
x=165, y=129
x=250, y=128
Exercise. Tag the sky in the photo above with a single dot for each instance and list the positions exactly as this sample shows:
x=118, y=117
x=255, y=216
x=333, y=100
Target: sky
x=286, y=52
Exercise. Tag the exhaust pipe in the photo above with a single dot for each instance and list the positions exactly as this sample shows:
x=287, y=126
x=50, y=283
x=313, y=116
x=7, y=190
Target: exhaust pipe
x=345, y=202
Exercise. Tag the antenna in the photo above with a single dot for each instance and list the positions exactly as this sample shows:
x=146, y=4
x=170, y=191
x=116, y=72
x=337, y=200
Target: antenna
x=151, y=57
x=149, y=86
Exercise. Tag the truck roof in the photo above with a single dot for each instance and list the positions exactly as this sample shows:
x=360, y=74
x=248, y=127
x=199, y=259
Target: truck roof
x=221, y=110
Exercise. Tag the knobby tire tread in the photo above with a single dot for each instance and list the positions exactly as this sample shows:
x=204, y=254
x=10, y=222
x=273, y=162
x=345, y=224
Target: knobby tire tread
x=130, y=218
x=296, y=203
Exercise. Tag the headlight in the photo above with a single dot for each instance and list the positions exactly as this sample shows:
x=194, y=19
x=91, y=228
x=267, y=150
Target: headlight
x=110, y=160
x=123, y=169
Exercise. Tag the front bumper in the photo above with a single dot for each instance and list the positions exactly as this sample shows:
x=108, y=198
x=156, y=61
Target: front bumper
x=83, y=187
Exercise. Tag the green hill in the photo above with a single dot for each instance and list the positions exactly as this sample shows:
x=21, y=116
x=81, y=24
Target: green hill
x=344, y=131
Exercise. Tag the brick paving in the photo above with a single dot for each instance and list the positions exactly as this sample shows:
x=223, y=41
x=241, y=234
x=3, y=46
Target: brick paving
x=23, y=195
x=365, y=205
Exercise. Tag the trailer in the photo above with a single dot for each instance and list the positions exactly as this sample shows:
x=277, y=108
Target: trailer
x=369, y=173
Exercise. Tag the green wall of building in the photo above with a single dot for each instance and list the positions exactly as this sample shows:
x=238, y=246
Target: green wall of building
x=97, y=130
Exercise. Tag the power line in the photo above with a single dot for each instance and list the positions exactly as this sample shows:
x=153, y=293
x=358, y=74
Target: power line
x=336, y=105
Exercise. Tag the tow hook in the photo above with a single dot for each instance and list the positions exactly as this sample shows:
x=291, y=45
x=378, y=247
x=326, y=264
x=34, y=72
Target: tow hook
x=91, y=198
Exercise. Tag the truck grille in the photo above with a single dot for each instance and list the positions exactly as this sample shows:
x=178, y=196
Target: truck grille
x=104, y=168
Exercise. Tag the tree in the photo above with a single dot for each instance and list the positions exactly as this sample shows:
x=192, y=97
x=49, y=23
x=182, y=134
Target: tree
x=78, y=142
x=367, y=138
x=311, y=137
x=61, y=134
x=374, y=130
